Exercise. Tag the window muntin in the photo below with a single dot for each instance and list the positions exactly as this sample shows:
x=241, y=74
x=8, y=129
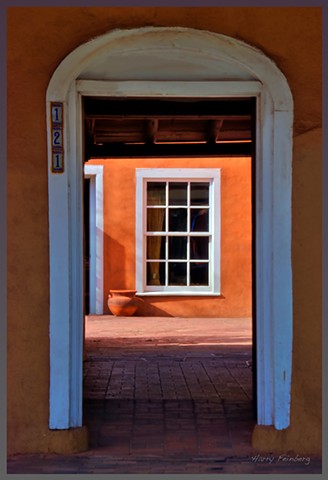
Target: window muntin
x=171, y=205
x=180, y=233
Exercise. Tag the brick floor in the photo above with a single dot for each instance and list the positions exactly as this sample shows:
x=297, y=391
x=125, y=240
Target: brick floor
x=167, y=395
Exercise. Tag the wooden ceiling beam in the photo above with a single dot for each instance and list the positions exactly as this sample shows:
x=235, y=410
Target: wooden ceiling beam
x=159, y=130
x=151, y=131
x=170, y=137
x=214, y=130
x=168, y=117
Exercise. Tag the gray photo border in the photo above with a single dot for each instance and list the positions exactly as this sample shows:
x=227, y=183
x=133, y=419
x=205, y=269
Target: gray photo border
x=5, y=4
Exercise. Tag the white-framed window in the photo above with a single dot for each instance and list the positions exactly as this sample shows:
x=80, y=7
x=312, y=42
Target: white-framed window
x=178, y=231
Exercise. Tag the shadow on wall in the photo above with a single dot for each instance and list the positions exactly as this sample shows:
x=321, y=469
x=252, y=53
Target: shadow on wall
x=146, y=309
x=119, y=273
x=117, y=277
x=114, y=273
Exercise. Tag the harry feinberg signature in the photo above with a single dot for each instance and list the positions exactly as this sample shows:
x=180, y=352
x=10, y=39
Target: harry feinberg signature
x=281, y=458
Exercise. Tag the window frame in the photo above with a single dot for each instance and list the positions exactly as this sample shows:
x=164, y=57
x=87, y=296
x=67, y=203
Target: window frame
x=213, y=176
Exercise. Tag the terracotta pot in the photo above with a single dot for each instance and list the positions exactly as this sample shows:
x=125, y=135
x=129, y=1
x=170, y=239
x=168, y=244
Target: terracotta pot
x=122, y=303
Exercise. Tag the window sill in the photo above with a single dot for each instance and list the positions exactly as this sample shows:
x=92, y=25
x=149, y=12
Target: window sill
x=179, y=294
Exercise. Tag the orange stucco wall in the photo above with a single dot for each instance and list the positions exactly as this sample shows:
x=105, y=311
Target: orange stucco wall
x=38, y=40
x=236, y=238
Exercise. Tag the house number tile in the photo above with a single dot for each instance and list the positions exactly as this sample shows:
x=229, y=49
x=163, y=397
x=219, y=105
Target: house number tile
x=57, y=164
x=57, y=138
x=57, y=113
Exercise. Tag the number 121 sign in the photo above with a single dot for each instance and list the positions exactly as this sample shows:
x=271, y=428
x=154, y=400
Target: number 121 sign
x=57, y=143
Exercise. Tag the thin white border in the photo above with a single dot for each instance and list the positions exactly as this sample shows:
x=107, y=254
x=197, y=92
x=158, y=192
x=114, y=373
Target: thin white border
x=96, y=276
x=273, y=203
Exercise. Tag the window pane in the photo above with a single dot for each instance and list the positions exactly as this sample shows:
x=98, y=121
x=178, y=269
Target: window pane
x=199, y=248
x=156, y=193
x=177, y=193
x=198, y=274
x=177, y=274
x=156, y=248
x=199, y=193
x=155, y=273
x=199, y=220
x=177, y=219
x=155, y=219
x=177, y=248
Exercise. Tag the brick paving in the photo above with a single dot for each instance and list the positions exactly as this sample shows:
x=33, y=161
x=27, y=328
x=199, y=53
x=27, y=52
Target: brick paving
x=167, y=395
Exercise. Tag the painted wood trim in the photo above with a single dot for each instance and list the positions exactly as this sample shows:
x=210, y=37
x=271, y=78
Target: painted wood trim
x=211, y=174
x=59, y=280
x=75, y=200
x=140, y=228
x=263, y=261
x=207, y=46
x=92, y=243
x=216, y=232
x=282, y=308
x=169, y=88
x=95, y=174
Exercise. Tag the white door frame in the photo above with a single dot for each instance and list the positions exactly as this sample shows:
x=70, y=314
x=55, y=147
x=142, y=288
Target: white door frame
x=273, y=199
x=96, y=235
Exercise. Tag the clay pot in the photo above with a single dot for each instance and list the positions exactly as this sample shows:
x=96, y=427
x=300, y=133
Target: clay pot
x=122, y=303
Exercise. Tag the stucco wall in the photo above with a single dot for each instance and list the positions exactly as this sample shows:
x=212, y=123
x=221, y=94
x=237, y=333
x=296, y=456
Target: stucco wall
x=38, y=40
x=236, y=237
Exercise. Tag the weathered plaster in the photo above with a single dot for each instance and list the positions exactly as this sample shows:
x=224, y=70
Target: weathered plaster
x=290, y=36
x=236, y=238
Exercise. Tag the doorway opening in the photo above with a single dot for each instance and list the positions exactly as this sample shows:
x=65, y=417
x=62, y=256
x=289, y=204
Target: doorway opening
x=180, y=361
x=203, y=65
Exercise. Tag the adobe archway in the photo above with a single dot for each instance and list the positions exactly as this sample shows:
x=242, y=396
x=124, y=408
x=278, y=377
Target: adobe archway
x=173, y=62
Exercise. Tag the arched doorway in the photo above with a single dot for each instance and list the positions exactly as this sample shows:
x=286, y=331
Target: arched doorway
x=171, y=63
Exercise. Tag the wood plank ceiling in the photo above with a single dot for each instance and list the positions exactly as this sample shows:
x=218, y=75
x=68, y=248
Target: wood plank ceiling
x=115, y=127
